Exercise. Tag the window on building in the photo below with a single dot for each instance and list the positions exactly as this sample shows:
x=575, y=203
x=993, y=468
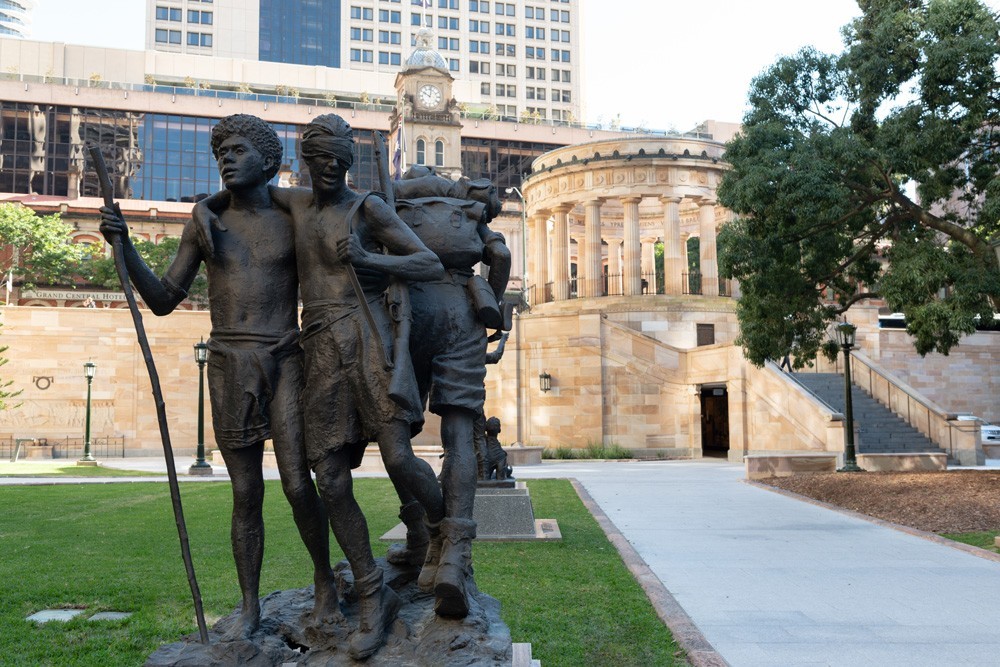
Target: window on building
x=162, y=14
x=395, y=37
x=705, y=334
x=355, y=12
x=367, y=13
x=383, y=36
x=366, y=55
x=175, y=36
x=421, y=151
x=414, y=19
x=484, y=88
x=439, y=153
x=356, y=34
x=356, y=55
x=453, y=64
x=161, y=36
x=175, y=14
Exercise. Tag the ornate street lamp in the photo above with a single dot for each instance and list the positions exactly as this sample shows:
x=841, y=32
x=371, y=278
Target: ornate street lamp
x=89, y=368
x=545, y=381
x=201, y=466
x=846, y=337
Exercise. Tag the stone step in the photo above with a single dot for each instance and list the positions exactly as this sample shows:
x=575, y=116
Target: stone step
x=880, y=431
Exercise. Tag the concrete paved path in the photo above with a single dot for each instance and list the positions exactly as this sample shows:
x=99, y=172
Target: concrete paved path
x=773, y=581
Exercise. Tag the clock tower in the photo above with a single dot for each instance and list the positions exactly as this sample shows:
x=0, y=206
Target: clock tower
x=426, y=112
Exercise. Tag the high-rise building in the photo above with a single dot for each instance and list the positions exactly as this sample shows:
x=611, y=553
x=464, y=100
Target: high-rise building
x=523, y=56
x=15, y=17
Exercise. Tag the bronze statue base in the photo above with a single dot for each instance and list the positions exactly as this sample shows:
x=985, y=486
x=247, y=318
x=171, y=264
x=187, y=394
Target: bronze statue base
x=418, y=637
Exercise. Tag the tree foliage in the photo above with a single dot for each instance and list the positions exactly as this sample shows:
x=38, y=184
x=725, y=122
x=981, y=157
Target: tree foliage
x=40, y=250
x=873, y=172
x=158, y=257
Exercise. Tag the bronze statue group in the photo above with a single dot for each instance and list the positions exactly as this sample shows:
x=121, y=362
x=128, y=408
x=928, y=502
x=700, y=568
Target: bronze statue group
x=394, y=318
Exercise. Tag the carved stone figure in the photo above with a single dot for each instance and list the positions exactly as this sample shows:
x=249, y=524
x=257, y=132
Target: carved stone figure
x=448, y=348
x=255, y=364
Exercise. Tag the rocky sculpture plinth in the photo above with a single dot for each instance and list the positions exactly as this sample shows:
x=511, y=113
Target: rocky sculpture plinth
x=418, y=638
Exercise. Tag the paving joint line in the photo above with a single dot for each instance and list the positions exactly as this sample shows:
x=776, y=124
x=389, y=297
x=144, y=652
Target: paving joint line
x=915, y=532
x=700, y=652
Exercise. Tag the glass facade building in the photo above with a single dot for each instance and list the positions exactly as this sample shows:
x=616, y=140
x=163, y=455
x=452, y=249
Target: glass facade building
x=301, y=32
x=168, y=157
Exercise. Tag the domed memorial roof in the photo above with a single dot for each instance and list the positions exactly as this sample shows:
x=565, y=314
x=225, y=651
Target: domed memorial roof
x=425, y=55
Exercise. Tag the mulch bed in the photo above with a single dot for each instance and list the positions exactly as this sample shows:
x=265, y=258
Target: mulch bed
x=957, y=501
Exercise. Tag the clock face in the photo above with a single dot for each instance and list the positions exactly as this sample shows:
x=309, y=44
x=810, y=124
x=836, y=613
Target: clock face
x=430, y=96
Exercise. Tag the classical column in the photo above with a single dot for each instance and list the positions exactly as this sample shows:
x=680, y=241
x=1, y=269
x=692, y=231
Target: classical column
x=593, y=283
x=709, y=263
x=674, y=253
x=649, y=265
x=560, y=253
x=631, y=278
x=614, y=266
x=540, y=255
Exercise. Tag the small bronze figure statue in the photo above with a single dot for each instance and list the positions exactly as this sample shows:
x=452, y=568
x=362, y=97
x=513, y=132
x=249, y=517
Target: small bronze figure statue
x=494, y=458
x=255, y=364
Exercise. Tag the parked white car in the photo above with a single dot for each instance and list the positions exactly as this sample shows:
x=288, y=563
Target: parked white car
x=990, y=432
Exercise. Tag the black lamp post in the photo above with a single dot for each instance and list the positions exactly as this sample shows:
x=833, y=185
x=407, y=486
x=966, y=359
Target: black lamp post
x=846, y=337
x=89, y=368
x=201, y=466
x=544, y=381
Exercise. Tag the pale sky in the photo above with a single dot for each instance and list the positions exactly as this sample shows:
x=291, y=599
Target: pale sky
x=663, y=64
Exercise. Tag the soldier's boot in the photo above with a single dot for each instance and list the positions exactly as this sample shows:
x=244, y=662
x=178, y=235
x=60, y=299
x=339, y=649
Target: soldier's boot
x=377, y=608
x=454, y=569
x=414, y=551
x=425, y=582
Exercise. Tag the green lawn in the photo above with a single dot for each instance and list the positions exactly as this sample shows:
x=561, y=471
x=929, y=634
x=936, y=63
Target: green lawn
x=115, y=547
x=65, y=468
x=982, y=539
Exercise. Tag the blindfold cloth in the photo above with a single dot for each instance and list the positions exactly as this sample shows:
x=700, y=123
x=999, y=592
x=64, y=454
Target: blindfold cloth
x=318, y=144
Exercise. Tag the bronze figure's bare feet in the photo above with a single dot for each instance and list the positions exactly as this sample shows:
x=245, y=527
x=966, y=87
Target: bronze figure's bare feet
x=326, y=607
x=247, y=624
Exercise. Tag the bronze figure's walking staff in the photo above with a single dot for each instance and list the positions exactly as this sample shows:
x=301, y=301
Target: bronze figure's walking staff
x=107, y=191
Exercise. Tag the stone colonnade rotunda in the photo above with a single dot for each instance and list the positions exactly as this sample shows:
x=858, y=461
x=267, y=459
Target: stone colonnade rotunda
x=602, y=206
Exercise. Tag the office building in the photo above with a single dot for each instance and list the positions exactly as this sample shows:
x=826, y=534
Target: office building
x=15, y=17
x=522, y=58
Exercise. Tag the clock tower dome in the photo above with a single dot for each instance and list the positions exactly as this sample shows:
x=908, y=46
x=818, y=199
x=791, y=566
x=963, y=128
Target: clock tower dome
x=426, y=112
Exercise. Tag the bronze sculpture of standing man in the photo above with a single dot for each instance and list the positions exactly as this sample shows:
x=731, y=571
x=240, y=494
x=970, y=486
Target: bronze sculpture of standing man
x=255, y=367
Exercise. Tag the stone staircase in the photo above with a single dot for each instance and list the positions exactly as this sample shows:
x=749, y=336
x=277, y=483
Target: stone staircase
x=880, y=431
